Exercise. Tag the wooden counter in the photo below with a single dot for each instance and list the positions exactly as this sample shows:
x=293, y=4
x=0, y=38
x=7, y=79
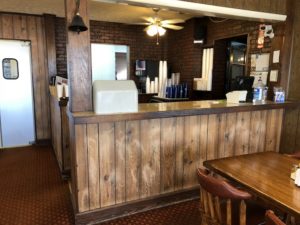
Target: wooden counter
x=128, y=162
x=60, y=132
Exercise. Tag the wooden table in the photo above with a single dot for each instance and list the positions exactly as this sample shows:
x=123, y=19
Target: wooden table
x=266, y=174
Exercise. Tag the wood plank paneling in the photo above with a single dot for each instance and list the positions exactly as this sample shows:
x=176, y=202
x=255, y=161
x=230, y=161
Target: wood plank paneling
x=27, y=27
x=272, y=6
x=212, y=140
x=141, y=159
x=93, y=165
x=120, y=134
x=82, y=168
x=107, y=164
x=43, y=77
x=7, y=26
x=274, y=130
x=242, y=133
x=133, y=160
x=191, y=153
x=168, y=154
x=78, y=55
x=257, y=131
x=289, y=131
x=150, y=157
x=221, y=135
x=203, y=139
x=20, y=27
x=229, y=145
x=179, y=143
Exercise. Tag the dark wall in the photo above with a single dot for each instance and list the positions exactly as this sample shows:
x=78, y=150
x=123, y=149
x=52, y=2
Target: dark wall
x=178, y=48
x=141, y=46
x=61, y=51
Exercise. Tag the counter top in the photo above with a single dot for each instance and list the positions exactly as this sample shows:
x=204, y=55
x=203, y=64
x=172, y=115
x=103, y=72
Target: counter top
x=173, y=109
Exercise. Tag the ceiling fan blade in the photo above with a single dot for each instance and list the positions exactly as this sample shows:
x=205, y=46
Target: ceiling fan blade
x=145, y=23
x=172, y=21
x=173, y=27
x=148, y=19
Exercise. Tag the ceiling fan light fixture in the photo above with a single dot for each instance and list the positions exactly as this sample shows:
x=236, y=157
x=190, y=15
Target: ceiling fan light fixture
x=161, y=30
x=155, y=29
x=152, y=30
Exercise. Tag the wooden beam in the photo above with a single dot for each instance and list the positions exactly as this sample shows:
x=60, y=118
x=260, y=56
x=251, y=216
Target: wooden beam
x=50, y=42
x=78, y=58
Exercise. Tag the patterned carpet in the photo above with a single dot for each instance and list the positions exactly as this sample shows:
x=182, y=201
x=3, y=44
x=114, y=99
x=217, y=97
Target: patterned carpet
x=31, y=189
x=33, y=193
x=186, y=213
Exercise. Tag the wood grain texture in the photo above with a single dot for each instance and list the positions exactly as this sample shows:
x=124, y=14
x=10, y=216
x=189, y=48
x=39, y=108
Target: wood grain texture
x=141, y=159
x=93, y=165
x=107, y=164
x=265, y=174
x=191, y=153
x=168, y=154
x=82, y=169
x=50, y=43
x=150, y=157
x=179, y=143
x=27, y=27
x=242, y=133
x=290, y=131
x=203, y=139
x=278, y=6
x=78, y=55
x=230, y=134
x=133, y=160
x=274, y=127
x=212, y=134
x=120, y=148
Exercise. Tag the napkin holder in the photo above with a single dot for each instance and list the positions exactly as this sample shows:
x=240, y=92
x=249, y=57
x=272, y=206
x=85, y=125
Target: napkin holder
x=236, y=96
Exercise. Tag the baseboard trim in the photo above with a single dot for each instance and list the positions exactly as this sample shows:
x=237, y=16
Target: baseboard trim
x=125, y=209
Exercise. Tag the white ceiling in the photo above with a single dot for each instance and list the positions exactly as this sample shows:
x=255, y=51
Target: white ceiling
x=101, y=11
x=120, y=11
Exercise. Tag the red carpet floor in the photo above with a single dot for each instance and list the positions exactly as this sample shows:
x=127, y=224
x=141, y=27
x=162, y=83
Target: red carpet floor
x=33, y=193
x=31, y=189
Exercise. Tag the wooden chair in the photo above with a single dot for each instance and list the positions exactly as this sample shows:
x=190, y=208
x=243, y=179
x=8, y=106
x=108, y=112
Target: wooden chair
x=221, y=203
x=272, y=219
x=295, y=155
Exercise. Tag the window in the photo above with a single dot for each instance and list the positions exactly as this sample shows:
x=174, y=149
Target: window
x=10, y=69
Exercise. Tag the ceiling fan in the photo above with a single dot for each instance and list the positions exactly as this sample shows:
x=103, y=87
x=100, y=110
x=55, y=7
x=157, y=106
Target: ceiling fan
x=156, y=26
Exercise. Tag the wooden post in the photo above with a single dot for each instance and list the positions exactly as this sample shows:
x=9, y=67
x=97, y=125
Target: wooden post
x=50, y=42
x=78, y=58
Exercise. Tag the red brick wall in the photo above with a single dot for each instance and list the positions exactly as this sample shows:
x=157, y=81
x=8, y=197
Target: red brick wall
x=233, y=28
x=183, y=55
x=177, y=47
x=61, y=50
x=141, y=46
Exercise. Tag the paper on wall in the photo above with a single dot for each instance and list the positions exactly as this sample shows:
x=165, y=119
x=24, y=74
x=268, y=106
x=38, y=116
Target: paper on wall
x=257, y=75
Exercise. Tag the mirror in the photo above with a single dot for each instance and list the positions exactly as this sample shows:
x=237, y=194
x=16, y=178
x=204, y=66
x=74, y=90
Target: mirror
x=110, y=62
x=10, y=68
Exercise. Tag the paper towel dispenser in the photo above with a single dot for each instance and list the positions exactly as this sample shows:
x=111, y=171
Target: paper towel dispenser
x=114, y=96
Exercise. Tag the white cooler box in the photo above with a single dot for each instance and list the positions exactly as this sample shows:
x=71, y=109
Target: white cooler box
x=112, y=96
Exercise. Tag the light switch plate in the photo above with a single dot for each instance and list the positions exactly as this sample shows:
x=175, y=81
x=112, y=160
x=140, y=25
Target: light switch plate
x=273, y=75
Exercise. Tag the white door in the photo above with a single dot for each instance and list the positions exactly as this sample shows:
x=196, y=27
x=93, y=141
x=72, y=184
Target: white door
x=17, y=126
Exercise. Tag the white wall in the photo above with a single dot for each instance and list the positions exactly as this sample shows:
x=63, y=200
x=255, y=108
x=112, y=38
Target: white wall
x=104, y=62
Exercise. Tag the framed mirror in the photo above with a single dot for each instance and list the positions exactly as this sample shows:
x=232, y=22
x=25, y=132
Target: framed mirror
x=110, y=62
x=10, y=68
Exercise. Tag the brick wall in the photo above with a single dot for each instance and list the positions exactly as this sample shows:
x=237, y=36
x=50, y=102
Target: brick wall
x=216, y=32
x=177, y=47
x=183, y=55
x=61, y=50
x=141, y=45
